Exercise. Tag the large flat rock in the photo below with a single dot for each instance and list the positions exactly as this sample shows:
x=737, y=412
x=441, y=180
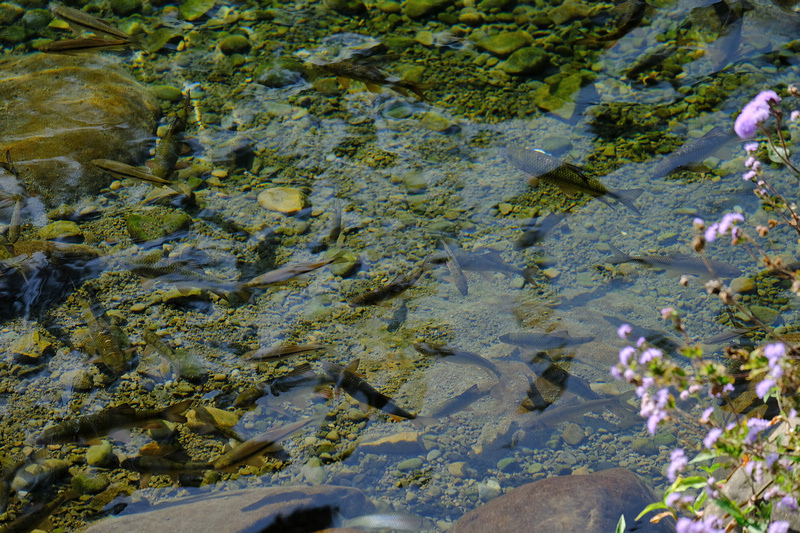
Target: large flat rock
x=296, y=509
x=60, y=112
x=567, y=504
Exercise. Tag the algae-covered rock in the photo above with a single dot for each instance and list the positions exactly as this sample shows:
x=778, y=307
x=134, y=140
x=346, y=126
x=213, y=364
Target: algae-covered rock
x=123, y=8
x=570, y=10
x=90, y=482
x=61, y=230
x=100, y=454
x=526, y=60
x=347, y=7
x=280, y=72
x=143, y=228
x=420, y=8
x=194, y=9
x=283, y=200
x=169, y=93
x=234, y=44
x=505, y=43
x=32, y=347
x=68, y=111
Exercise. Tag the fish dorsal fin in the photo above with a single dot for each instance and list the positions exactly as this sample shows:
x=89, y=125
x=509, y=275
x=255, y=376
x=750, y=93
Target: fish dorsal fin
x=577, y=170
x=125, y=408
x=352, y=366
x=300, y=370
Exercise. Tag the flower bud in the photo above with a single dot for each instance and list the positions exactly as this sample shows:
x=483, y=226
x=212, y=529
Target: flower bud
x=699, y=243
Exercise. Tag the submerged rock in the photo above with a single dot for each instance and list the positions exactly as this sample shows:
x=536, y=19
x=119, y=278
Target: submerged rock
x=566, y=504
x=64, y=111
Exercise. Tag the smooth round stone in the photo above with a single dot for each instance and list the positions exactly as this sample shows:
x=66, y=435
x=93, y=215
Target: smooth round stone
x=90, y=482
x=573, y=434
x=420, y=8
x=410, y=464
x=527, y=60
x=99, y=454
x=283, y=200
x=743, y=285
x=32, y=347
x=123, y=8
x=505, y=43
x=234, y=44
x=78, y=379
x=69, y=110
x=489, y=490
x=169, y=93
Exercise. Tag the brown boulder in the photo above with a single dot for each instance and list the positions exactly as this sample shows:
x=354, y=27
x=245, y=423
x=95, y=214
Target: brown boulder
x=60, y=112
x=567, y=504
x=295, y=509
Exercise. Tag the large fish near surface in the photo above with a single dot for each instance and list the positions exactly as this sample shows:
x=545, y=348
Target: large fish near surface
x=454, y=355
x=677, y=264
x=483, y=260
x=107, y=339
x=695, y=151
x=149, y=465
x=370, y=76
x=88, y=427
x=544, y=341
x=537, y=229
x=345, y=379
x=394, y=288
x=569, y=178
x=301, y=376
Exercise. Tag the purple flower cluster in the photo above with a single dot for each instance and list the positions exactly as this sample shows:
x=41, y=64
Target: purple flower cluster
x=754, y=113
x=755, y=426
x=712, y=437
x=728, y=223
x=709, y=524
x=678, y=462
x=774, y=353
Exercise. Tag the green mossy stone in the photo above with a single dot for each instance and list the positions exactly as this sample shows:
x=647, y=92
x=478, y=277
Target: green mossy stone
x=390, y=7
x=159, y=38
x=346, y=265
x=489, y=5
x=347, y=7
x=90, y=483
x=664, y=439
x=10, y=13
x=526, y=60
x=234, y=44
x=280, y=73
x=37, y=19
x=170, y=93
x=100, y=454
x=505, y=43
x=13, y=35
x=61, y=230
x=508, y=464
x=190, y=366
x=766, y=315
x=143, y=228
x=194, y=9
x=124, y=8
x=644, y=446
x=420, y=8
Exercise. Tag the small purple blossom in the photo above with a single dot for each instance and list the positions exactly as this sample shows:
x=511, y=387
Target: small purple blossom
x=649, y=355
x=764, y=387
x=750, y=174
x=712, y=437
x=751, y=147
x=616, y=373
x=756, y=426
x=723, y=226
x=711, y=488
x=781, y=526
x=774, y=351
x=754, y=113
x=625, y=355
x=678, y=462
x=706, y=414
x=771, y=458
x=789, y=503
x=623, y=331
x=709, y=524
x=794, y=115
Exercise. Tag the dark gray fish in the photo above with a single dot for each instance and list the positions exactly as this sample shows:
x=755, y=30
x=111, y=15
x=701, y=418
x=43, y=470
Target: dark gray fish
x=281, y=352
x=85, y=428
x=484, y=260
x=538, y=228
x=454, y=355
x=458, y=403
x=575, y=411
x=288, y=272
x=544, y=341
x=394, y=288
x=695, y=151
x=566, y=176
x=149, y=465
x=345, y=379
x=301, y=376
x=678, y=264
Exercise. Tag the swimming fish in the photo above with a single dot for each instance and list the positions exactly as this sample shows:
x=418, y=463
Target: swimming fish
x=454, y=355
x=149, y=465
x=287, y=272
x=85, y=428
x=169, y=147
x=370, y=76
x=84, y=44
x=678, y=264
x=456, y=274
x=695, y=151
x=566, y=176
x=345, y=379
x=301, y=375
x=544, y=341
x=107, y=339
x=538, y=228
x=80, y=22
x=394, y=288
x=252, y=450
x=484, y=260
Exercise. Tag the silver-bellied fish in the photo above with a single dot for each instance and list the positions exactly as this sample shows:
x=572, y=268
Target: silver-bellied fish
x=282, y=352
x=569, y=178
x=251, y=451
x=84, y=45
x=456, y=274
x=150, y=465
x=107, y=339
x=544, y=341
x=483, y=260
x=370, y=76
x=288, y=272
x=301, y=376
x=454, y=355
x=81, y=22
x=345, y=379
x=86, y=428
x=394, y=288
x=694, y=151
x=677, y=264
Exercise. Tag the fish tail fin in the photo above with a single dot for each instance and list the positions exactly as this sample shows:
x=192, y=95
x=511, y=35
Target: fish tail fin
x=421, y=422
x=528, y=273
x=174, y=413
x=618, y=256
x=626, y=197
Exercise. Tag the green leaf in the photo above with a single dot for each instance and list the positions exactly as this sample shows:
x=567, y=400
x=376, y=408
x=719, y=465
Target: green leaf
x=691, y=482
x=652, y=507
x=704, y=456
x=621, y=524
x=731, y=508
